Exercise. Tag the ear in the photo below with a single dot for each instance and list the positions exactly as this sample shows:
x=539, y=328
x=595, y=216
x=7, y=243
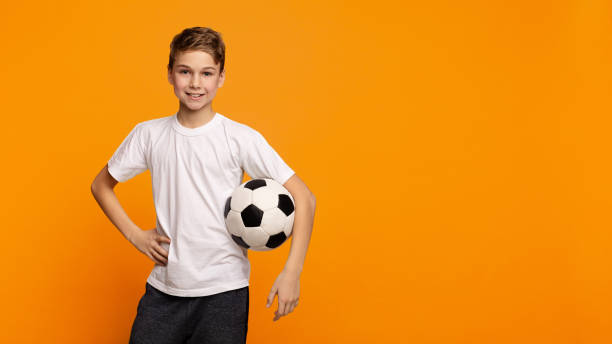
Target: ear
x=170, y=77
x=221, y=79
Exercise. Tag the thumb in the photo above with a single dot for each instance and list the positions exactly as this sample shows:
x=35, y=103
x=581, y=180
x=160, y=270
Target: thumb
x=271, y=297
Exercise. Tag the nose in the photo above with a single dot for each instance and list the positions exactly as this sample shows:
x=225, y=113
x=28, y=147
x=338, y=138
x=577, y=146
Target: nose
x=194, y=82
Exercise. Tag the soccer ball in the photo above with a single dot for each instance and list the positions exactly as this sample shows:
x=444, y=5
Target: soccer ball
x=259, y=214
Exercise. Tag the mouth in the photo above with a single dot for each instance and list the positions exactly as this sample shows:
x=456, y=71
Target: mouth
x=195, y=96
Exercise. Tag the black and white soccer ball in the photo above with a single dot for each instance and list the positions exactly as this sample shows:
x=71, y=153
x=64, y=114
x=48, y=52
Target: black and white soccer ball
x=259, y=214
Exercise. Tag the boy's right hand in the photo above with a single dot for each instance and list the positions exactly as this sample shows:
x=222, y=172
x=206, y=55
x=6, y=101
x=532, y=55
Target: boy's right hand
x=149, y=243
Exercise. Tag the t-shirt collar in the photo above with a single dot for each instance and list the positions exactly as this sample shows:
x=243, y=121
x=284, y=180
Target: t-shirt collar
x=194, y=131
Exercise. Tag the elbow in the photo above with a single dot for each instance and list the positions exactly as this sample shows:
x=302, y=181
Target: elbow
x=97, y=185
x=94, y=188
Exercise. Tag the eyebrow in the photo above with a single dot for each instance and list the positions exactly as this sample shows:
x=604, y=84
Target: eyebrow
x=207, y=67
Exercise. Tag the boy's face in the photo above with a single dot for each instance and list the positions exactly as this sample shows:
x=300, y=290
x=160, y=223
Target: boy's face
x=193, y=73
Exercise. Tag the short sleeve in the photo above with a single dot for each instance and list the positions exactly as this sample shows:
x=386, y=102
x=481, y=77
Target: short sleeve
x=260, y=160
x=129, y=159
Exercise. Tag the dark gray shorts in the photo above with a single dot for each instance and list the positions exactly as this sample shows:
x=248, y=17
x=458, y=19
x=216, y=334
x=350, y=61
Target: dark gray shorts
x=218, y=318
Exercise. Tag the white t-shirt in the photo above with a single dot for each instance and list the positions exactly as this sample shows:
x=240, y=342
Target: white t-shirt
x=193, y=172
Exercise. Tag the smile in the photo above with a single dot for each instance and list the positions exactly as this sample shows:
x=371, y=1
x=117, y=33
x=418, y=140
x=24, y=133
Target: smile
x=195, y=95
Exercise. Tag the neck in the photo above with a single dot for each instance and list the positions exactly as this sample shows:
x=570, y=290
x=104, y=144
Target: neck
x=193, y=119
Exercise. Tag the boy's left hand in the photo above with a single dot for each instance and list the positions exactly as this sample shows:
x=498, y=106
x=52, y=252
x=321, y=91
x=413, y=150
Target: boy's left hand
x=287, y=286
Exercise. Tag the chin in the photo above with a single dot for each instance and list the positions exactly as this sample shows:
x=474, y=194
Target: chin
x=195, y=107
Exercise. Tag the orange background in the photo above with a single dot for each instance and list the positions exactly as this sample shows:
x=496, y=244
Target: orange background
x=457, y=150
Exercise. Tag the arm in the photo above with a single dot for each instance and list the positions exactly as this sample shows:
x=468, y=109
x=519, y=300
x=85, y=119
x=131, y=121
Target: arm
x=102, y=189
x=305, y=204
x=287, y=284
x=147, y=242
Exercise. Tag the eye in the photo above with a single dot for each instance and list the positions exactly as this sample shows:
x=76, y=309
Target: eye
x=183, y=71
x=208, y=73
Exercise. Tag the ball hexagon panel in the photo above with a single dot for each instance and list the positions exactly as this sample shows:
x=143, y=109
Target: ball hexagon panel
x=251, y=216
x=265, y=198
x=276, y=240
x=273, y=221
x=234, y=223
x=255, y=237
x=254, y=184
x=241, y=198
x=285, y=203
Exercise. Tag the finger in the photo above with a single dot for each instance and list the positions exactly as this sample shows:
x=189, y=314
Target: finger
x=162, y=239
x=291, y=308
x=277, y=315
x=287, y=308
x=158, y=257
x=282, y=307
x=270, y=299
x=161, y=250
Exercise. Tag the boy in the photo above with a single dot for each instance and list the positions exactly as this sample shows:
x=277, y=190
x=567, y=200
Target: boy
x=198, y=289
